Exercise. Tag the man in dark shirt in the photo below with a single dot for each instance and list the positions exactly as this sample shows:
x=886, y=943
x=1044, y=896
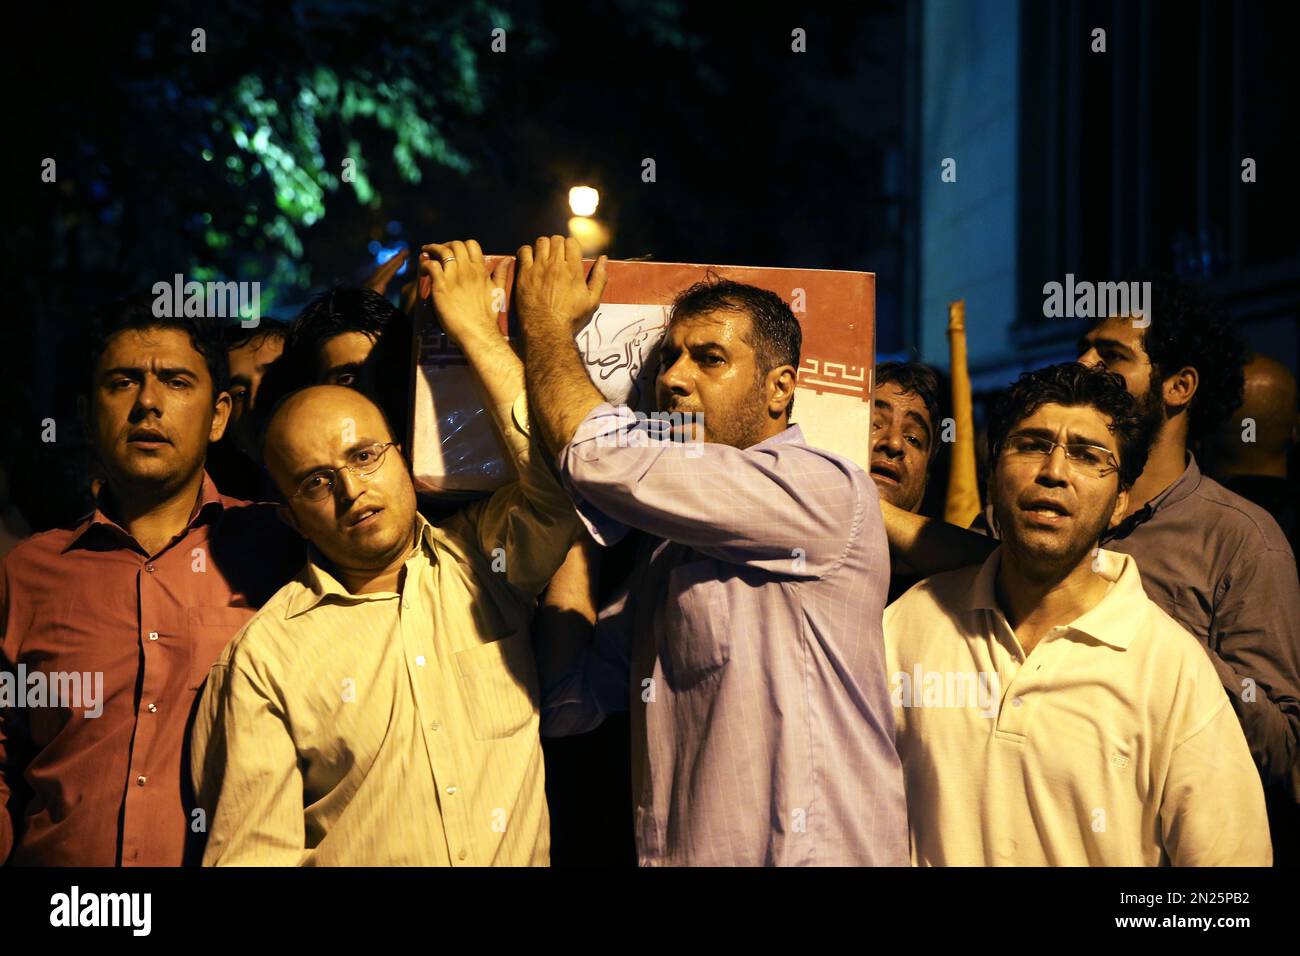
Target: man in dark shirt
x=1215, y=562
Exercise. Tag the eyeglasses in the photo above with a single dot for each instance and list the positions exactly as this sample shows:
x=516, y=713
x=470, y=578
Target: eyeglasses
x=363, y=462
x=1090, y=460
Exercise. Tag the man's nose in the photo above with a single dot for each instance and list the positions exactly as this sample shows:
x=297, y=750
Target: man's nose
x=674, y=379
x=347, y=486
x=1090, y=358
x=889, y=441
x=149, y=397
x=1055, y=469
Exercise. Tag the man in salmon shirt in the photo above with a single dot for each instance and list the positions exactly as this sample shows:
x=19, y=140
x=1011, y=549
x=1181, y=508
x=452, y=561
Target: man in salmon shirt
x=108, y=627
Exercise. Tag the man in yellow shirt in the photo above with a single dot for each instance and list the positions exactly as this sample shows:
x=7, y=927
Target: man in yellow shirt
x=1048, y=712
x=382, y=708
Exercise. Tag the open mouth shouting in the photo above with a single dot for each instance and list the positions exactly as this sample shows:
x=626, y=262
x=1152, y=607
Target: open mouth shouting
x=885, y=469
x=1044, y=511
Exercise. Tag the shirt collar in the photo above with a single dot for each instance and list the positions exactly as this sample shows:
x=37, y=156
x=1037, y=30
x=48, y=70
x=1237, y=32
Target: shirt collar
x=1185, y=484
x=315, y=583
x=1182, y=487
x=209, y=498
x=792, y=433
x=1111, y=621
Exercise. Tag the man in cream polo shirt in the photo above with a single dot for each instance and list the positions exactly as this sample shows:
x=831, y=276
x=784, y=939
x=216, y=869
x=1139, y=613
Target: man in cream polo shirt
x=1048, y=712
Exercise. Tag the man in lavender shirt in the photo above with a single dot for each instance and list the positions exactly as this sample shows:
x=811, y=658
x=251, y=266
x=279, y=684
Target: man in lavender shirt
x=748, y=643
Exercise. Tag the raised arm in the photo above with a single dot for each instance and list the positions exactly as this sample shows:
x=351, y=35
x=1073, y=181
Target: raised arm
x=464, y=297
x=780, y=505
x=553, y=302
x=928, y=545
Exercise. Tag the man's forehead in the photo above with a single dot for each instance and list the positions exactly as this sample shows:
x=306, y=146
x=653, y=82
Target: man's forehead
x=1083, y=419
x=355, y=346
x=719, y=325
x=895, y=396
x=151, y=346
x=330, y=417
x=263, y=351
x=1120, y=330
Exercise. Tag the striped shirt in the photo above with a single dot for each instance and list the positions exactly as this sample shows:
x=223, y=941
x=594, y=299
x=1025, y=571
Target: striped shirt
x=392, y=729
x=748, y=646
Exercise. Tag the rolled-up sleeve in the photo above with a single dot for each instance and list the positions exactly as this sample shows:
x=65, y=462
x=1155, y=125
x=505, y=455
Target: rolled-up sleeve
x=778, y=505
x=529, y=524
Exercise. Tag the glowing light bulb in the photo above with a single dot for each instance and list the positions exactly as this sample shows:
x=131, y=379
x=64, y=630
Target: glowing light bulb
x=583, y=200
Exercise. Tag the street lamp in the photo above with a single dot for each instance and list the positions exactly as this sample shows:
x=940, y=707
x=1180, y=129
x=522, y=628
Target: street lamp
x=592, y=234
x=583, y=200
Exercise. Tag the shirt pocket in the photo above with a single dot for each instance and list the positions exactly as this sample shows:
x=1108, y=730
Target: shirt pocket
x=499, y=682
x=699, y=623
x=210, y=630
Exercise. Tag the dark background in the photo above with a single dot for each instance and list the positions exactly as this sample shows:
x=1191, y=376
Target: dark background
x=225, y=164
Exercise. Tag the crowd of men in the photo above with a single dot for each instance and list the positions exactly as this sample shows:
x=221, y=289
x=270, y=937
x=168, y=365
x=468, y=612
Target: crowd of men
x=307, y=659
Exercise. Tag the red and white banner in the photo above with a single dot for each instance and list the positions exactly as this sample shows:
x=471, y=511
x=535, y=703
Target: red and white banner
x=455, y=449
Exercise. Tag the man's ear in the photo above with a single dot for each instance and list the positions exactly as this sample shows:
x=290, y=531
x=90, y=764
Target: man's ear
x=1178, y=389
x=285, y=513
x=220, y=416
x=780, y=386
x=1121, y=507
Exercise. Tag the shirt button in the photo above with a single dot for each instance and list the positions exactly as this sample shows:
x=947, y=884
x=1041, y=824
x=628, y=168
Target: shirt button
x=149, y=568
x=435, y=726
x=153, y=635
x=419, y=661
x=406, y=604
x=139, y=781
x=451, y=791
x=153, y=708
x=1015, y=702
x=462, y=854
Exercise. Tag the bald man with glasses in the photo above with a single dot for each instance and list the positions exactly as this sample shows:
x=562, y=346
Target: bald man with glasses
x=382, y=710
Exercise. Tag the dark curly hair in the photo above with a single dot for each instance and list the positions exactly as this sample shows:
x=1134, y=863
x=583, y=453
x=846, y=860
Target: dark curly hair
x=338, y=310
x=1189, y=329
x=1075, y=384
x=777, y=336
